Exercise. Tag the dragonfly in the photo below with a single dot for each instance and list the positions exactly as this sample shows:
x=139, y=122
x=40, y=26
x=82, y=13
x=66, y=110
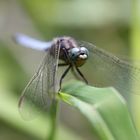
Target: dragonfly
x=104, y=69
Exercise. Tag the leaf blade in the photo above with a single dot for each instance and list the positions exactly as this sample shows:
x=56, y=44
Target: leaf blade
x=104, y=108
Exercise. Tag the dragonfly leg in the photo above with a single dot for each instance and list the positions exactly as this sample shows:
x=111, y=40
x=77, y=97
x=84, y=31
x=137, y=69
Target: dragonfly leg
x=63, y=75
x=74, y=73
x=80, y=73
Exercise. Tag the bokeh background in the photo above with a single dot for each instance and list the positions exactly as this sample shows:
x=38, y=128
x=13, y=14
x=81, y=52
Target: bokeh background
x=110, y=24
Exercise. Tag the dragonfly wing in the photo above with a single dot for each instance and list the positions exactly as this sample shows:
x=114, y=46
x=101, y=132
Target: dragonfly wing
x=39, y=94
x=108, y=70
x=29, y=42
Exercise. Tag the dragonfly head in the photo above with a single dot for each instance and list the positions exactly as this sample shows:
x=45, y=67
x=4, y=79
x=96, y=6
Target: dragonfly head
x=78, y=55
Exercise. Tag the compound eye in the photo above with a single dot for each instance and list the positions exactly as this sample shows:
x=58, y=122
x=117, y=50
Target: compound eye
x=85, y=51
x=74, y=52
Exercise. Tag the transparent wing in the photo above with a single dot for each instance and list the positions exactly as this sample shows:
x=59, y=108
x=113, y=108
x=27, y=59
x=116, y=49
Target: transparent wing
x=107, y=70
x=39, y=94
x=29, y=42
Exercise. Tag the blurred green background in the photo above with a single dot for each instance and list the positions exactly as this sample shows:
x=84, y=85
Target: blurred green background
x=110, y=24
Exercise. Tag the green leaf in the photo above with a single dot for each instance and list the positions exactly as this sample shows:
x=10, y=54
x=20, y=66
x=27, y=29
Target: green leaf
x=104, y=108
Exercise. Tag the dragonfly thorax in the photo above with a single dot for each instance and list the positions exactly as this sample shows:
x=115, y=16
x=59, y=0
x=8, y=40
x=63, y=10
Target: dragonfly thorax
x=70, y=52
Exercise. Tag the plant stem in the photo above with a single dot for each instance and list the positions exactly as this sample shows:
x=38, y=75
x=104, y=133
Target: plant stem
x=135, y=43
x=53, y=120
